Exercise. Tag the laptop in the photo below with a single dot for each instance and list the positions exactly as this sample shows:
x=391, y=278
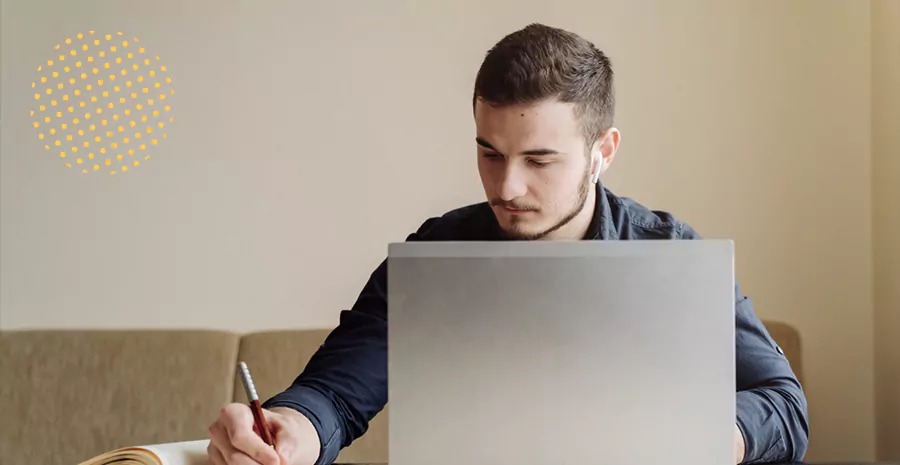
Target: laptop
x=581, y=352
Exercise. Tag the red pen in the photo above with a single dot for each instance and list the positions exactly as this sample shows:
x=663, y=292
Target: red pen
x=258, y=418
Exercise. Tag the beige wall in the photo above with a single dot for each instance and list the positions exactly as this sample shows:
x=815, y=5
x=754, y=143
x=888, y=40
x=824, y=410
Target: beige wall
x=272, y=199
x=886, y=194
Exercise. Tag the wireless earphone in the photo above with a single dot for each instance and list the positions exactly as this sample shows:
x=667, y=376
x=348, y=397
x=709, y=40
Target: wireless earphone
x=595, y=177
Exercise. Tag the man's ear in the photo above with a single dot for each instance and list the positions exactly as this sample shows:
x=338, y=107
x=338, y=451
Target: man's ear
x=603, y=151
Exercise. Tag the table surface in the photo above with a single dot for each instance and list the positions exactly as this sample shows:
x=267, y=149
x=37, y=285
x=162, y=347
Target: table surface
x=785, y=463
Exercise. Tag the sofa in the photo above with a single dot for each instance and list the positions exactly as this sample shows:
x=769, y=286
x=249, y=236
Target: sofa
x=68, y=395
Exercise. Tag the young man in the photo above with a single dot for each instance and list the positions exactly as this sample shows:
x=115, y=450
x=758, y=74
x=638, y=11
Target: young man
x=543, y=105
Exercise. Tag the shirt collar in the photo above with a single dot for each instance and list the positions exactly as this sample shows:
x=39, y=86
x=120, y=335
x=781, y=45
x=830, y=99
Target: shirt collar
x=601, y=226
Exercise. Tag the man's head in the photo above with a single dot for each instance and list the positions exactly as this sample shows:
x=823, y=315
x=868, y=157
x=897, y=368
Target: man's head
x=544, y=106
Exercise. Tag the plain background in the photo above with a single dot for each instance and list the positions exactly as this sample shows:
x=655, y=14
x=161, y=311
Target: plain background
x=886, y=195
x=309, y=135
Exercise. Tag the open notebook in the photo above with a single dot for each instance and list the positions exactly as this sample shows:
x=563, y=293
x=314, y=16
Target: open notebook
x=175, y=453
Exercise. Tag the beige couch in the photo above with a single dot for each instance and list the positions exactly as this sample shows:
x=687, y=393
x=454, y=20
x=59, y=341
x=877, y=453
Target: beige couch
x=66, y=396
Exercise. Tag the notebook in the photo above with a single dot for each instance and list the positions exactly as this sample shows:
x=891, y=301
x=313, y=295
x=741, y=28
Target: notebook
x=175, y=453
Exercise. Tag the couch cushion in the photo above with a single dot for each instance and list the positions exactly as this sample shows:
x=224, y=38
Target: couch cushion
x=788, y=339
x=67, y=396
x=275, y=358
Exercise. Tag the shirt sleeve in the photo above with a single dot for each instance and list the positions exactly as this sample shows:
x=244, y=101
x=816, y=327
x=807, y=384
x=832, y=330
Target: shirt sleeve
x=770, y=404
x=344, y=384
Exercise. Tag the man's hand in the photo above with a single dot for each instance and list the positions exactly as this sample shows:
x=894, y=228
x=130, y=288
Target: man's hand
x=738, y=445
x=235, y=441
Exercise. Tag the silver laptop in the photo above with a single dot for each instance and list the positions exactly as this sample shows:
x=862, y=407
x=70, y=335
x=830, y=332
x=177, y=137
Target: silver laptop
x=576, y=353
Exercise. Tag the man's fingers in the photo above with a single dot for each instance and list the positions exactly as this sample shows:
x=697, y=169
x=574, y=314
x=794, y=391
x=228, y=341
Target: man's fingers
x=225, y=450
x=236, y=417
x=238, y=423
x=214, y=455
x=218, y=440
x=247, y=442
x=219, y=446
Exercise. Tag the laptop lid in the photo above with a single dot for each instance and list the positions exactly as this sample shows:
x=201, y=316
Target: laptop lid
x=536, y=353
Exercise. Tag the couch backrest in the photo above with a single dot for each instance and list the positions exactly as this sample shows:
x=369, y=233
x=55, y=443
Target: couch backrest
x=787, y=337
x=66, y=396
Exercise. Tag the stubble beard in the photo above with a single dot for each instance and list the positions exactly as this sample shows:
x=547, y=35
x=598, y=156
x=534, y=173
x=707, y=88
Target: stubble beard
x=515, y=232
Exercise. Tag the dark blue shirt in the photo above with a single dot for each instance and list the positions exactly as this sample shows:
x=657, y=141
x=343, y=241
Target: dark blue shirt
x=345, y=382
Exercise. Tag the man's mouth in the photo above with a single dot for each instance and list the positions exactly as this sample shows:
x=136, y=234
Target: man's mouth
x=516, y=210
x=513, y=208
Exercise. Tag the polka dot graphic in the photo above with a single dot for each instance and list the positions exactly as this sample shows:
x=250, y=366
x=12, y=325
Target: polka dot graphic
x=102, y=103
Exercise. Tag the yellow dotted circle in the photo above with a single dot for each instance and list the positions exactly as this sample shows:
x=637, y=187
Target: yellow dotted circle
x=116, y=150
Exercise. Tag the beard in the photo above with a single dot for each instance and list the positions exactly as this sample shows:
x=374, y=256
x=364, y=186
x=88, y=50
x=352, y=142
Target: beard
x=517, y=232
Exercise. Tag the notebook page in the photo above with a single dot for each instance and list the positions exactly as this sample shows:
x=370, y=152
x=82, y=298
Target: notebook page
x=181, y=453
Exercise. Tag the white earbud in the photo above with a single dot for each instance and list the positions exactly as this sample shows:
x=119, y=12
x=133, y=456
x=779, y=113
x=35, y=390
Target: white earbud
x=596, y=175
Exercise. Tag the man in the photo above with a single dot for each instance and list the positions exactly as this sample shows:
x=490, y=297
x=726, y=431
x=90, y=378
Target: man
x=543, y=107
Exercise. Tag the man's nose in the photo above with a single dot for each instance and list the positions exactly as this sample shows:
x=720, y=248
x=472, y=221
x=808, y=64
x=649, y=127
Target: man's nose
x=513, y=183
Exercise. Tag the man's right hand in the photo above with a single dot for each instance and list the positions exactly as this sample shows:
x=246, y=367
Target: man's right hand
x=234, y=440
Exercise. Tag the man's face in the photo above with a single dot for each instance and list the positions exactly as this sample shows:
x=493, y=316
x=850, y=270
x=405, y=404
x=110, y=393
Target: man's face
x=534, y=166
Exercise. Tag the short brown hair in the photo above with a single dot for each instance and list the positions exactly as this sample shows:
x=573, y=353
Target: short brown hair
x=539, y=62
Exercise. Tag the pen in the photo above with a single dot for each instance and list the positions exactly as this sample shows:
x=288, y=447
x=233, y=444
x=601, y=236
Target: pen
x=258, y=418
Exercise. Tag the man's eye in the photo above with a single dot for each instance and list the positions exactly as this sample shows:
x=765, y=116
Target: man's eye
x=537, y=163
x=492, y=155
